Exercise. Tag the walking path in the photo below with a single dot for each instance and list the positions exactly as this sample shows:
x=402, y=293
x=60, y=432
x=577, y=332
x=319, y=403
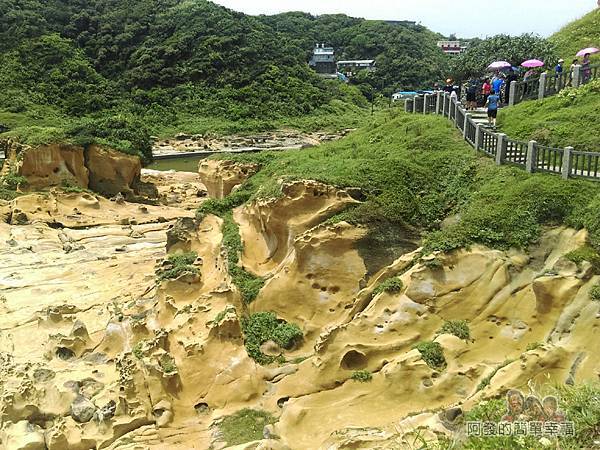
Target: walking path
x=530, y=155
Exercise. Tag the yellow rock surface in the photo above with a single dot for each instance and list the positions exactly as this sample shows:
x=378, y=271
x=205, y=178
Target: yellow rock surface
x=95, y=353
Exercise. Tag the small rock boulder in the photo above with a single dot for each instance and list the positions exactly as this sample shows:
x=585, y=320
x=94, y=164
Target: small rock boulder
x=82, y=410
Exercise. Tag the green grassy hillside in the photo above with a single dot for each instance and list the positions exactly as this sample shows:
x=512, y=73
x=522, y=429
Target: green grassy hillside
x=68, y=68
x=579, y=34
x=415, y=171
x=567, y=119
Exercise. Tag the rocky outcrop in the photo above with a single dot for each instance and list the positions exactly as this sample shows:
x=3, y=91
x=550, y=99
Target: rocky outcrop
x=221, y=177
x=102, y=170
x=95, y=352
x=47, y=165
x=112, y=172
x=269, y=227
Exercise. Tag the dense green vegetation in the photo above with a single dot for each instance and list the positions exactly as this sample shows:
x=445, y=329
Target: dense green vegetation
x=261, y=327
x=459, y=328
x=432, y=353
x=391, y=285
x=415, y=171
x=566, y=119
x=406, y=55
x=578, y=34
x=595, y=293
x=581, y=404
x=362, y=376
x=177, y=265
x=514, y=49
x=244, y=426
x=71, y=71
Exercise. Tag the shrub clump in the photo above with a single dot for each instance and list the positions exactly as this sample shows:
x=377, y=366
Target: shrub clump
x=595, y=293
x=11, y=181
x=585, y=254
x=433, y=354
x=244, y=426
x=179, y=264
x=167, y=364
x=391, y=285
x=459, y=328
x=363, y=376
x=261, y=327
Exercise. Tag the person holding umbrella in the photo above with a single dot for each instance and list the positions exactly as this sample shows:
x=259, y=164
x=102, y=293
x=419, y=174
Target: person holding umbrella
x=587, y=71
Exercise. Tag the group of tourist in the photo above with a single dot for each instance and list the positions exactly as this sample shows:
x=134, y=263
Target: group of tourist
x=491, y=92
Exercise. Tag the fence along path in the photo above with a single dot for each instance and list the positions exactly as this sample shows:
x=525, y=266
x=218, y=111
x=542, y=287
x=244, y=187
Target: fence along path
x=549, y=84
x=530, y=155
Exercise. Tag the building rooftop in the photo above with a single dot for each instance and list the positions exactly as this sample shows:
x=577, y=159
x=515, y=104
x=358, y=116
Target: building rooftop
x=357, y=61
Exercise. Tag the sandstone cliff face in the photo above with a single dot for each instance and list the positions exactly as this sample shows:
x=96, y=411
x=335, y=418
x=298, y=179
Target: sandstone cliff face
x=220, y=177
x=102, y=170
x=112, y=172
x=50, y=165
x=111, y=358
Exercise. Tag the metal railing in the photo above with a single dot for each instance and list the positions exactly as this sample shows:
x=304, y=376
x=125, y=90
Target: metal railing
x=532, y=156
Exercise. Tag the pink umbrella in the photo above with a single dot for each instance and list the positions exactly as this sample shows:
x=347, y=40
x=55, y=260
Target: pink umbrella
x=590, y=50
x=499, y=65
x=532, y=63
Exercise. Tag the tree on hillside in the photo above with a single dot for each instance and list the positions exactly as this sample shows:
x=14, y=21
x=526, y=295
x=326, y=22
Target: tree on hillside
x=514, y=49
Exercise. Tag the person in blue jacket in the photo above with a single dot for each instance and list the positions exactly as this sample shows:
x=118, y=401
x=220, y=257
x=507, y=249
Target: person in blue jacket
x=497, y=83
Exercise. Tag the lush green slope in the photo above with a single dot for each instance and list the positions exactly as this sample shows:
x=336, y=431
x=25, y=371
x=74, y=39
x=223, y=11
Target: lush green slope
x=186, y=65
x=567, y=119
x=579, y=34
x=416, y=170
x=406, y=55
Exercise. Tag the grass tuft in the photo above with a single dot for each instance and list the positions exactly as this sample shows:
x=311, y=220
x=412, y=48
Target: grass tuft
x=261, y=327
x=433, y=354
x=459, y=328
x=363, y=376
x=244, y=426
x=179, y=264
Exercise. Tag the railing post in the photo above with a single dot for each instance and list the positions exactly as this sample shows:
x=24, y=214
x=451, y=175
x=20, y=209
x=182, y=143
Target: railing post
x=513, y=93
x=478, y=136
x=531, y=157
x=456, y=108
x=465, y=123
x=438, y=101
x=414, y=104
x=444, y=103
x=576, y=76
x=406, y=105
x=501, y=149
x=425, y=99
x=566, y=165
x=542, y=86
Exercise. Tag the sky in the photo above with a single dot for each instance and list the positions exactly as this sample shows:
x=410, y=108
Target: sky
x=465, y=18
